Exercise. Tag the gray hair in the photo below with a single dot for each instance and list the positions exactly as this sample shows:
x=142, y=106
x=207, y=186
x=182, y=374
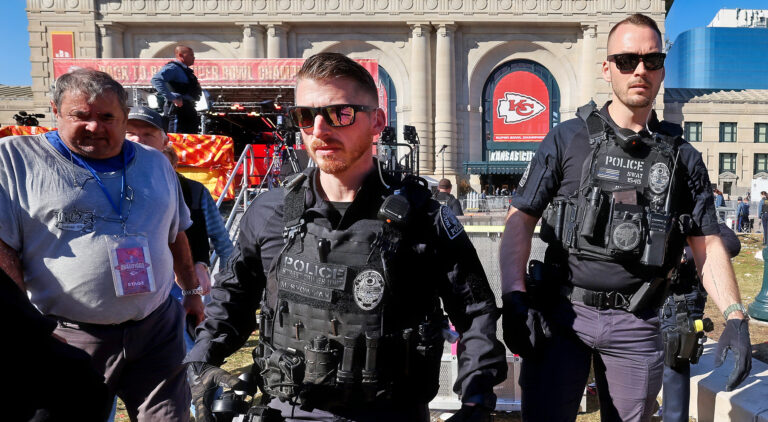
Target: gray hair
x=91, y=83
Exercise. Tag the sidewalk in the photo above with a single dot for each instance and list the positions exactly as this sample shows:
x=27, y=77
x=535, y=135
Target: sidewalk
x=710, y=401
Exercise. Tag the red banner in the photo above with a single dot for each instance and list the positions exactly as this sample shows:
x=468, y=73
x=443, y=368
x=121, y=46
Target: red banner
x=521, y=108
x=62, y=45
x=258, y=73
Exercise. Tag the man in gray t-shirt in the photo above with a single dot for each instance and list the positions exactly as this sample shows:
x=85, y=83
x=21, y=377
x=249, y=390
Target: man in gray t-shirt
x=93, y=229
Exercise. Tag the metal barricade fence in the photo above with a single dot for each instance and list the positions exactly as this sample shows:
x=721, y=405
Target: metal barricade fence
x=486, y=239
x=474, y=202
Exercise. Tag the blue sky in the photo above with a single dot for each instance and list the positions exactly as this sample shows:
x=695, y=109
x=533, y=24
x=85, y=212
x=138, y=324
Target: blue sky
x=684, y=15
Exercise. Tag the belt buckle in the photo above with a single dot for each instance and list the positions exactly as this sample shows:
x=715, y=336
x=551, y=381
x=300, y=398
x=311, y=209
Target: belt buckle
x=602, y=300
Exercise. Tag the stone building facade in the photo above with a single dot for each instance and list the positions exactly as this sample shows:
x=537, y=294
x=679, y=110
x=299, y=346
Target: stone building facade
x=439, y=54
x=729, y=128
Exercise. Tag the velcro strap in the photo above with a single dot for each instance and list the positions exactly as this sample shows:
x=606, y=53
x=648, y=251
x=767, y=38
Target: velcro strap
x=294, y=200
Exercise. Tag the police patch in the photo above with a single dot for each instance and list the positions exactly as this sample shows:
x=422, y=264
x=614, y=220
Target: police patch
x=626, y=236
x=450, y=223
x=524, y=178
x=368, y=289
x=658, y=179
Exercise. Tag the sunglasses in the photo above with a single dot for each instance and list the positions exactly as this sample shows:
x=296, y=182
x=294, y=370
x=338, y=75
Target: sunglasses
x=628, y=62
x=337, y=115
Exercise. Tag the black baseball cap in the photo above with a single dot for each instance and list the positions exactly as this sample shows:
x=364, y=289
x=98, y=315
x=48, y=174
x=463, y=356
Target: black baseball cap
x=148, y=115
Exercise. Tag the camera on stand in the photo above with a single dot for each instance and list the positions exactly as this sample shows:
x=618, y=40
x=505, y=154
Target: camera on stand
x=390, y=152
x=28, y=119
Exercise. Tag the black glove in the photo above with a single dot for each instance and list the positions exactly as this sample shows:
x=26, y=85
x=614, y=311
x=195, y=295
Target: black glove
x=735, y=337
x=477, y=413
x=514, y=320
x=204, y=380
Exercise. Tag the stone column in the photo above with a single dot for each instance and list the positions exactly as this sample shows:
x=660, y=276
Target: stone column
x=420, y=105
x=277, y=45
x=588, y=64
x=253, y=41
x=111, y=41
x=445, y=101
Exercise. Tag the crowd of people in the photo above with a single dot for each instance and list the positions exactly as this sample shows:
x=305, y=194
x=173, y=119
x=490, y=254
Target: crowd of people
x=360, y=278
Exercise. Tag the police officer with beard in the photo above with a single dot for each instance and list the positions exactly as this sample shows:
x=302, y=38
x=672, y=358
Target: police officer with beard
x=618, y=193
x=349, y=269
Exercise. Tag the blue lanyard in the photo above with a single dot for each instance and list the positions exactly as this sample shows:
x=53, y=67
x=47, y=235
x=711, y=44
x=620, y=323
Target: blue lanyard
x=119, y=207
x=82, y=163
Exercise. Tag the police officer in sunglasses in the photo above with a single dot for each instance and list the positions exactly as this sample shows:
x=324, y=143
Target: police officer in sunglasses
x=352, y=271
x=618, y=192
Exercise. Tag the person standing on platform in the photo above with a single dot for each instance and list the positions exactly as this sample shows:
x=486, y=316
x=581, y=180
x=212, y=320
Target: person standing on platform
x=612, y=187
x=178, y=85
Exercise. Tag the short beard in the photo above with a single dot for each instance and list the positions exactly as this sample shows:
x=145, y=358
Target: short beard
x=336, y=165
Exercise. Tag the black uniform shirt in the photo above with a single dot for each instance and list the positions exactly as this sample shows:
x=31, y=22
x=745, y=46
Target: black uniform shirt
x=447, y=259
x=556, y=171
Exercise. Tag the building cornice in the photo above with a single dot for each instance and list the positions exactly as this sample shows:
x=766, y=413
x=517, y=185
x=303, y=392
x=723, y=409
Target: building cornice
x=349, y=10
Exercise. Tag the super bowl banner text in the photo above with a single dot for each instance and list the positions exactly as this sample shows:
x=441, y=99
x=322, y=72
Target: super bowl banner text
x=210, y=72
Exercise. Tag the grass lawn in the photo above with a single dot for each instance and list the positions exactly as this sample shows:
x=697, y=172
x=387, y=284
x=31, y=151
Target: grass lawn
x=749, y=273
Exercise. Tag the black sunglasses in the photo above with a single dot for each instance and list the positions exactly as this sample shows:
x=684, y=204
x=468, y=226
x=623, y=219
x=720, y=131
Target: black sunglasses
x=336, y=115
x=627, y=62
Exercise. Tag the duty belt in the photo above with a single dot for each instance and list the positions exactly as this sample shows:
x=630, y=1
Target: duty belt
x=597, y=299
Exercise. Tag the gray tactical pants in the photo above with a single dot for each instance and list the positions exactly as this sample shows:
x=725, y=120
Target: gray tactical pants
x=628, y=359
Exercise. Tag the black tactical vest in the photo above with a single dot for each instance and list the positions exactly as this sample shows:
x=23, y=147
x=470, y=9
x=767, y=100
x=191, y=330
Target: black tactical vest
x=330, y=335
x=621, y=211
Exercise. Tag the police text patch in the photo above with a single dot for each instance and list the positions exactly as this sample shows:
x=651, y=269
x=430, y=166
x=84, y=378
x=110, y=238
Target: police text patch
x=450, y=223
x=315, y=273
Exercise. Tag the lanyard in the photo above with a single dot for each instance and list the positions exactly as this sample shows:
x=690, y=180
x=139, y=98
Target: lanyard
x=82, y=163
x=119, y=207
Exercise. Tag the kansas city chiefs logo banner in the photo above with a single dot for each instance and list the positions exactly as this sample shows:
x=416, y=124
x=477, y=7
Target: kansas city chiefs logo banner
x=515, y=108
x=521, y=101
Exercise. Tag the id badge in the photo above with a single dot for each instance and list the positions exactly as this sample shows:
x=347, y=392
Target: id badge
x=131, y=264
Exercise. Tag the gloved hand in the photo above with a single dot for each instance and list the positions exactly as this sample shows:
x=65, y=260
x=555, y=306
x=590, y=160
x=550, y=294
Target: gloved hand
x=517, y=335
x=477, y=413
x=204, y=380
x=735, y=337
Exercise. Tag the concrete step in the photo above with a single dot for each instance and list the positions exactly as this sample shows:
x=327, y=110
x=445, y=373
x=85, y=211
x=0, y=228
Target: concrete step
x=711, y=403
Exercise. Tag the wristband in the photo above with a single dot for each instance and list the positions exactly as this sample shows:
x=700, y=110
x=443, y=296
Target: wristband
x=196, y=291
x=735, y=307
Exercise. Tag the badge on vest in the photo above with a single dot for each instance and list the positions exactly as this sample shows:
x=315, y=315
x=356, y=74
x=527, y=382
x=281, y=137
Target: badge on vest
x=626, y=236
x=450, y=223
x=75, y=220
x=658, y=179
x=368, y=289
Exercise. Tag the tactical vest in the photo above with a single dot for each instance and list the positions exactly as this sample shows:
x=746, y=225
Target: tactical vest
x=621, y=211
x=442, y=198
x=329, y=333
x=191, y=87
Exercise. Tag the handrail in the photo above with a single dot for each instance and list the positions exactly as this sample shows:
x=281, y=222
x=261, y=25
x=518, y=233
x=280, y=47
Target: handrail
x=248, y=170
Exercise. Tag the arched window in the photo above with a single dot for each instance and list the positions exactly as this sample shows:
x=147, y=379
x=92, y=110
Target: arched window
x=387, y=97
x=521, y=102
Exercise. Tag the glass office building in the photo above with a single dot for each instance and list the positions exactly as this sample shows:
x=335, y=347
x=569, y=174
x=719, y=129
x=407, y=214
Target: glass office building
x=719, y=58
